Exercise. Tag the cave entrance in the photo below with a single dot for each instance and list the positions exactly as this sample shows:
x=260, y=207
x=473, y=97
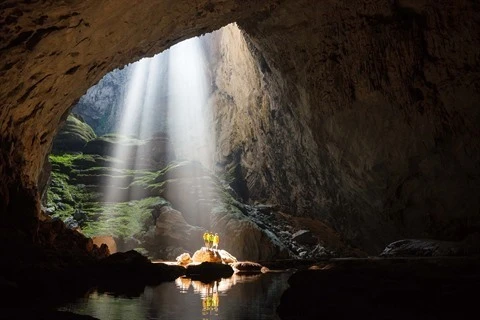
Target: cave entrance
x=132, y=166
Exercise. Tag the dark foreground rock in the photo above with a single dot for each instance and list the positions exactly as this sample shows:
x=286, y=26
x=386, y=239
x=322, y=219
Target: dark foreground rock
x=430, y=247
x=35, y=280
x=413, y=288
x=208, y=271
x=127, y=273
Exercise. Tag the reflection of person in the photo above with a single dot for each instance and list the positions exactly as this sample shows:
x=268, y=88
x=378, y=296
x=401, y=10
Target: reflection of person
x=206, y=237
x=215, y=301
x=216, y=240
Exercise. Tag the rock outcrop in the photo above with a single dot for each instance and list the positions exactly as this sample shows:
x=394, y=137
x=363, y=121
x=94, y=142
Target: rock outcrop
x=73, y=136
x=433, y=248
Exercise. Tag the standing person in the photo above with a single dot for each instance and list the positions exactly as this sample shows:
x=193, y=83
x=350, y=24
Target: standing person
x=210, y=239
x=206, y=238
x=216, y=240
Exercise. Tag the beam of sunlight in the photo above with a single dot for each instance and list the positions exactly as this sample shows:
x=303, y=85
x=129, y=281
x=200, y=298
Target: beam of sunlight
x=188, y=106
x=115, y=186
x=167, y=97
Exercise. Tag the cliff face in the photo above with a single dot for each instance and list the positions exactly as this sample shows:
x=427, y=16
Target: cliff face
x=361, y=113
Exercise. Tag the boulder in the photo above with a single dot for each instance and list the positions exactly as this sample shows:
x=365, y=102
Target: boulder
x=246, y=266
x=227, y=257
x=107, y=240
x=207, y=255
x=208, y=271
x=184, y=259
x=304, y=237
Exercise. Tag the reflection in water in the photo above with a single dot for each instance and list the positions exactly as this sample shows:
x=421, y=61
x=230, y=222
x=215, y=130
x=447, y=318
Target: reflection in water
x=242, y=297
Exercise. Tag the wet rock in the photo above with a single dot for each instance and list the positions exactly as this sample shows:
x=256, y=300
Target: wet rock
x=209, y=271
x=135, y=269
x=246, y=266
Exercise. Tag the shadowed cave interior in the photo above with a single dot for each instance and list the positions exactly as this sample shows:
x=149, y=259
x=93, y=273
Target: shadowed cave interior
x=333, y=147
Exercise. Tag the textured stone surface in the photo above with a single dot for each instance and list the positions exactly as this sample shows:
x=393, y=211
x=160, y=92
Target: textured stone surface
x=203, y=255
x=361, y=113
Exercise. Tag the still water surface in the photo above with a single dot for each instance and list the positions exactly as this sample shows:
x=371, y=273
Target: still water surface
x=239, y=297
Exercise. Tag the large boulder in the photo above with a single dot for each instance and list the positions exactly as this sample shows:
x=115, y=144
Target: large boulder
x=227, y=257
x=209, y=271
x=207, y=255
x=184, y=259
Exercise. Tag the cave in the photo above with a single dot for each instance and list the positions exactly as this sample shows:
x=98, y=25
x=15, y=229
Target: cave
x=357, y=122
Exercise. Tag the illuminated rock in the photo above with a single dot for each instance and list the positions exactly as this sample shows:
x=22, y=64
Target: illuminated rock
x=246, y=266
x=108, y=241
x=204, y=255
x=184, y=259
x=227, y=257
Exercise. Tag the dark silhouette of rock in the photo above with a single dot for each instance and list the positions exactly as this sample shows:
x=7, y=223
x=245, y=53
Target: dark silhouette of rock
x=208, y=271
x=430, y=247
x=427, y=288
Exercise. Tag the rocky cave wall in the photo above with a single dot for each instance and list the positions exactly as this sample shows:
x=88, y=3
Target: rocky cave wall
x=362, y=113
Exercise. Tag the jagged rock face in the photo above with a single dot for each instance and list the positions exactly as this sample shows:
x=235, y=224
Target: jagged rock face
x=364, y=114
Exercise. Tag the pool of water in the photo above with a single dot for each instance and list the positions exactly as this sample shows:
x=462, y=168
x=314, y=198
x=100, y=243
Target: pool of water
x=238, y=297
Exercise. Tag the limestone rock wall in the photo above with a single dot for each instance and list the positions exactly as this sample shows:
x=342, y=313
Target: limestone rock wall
x=369, y=117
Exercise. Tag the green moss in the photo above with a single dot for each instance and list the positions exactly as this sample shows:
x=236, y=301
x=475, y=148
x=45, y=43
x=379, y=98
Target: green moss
x=73, y=136
x=124, y=219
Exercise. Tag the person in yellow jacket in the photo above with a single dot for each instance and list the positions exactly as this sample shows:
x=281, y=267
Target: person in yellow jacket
x=216, y=240
x=210, y=239
x=206, y=237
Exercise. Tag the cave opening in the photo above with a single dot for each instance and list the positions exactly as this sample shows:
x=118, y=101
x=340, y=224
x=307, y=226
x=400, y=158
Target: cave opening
x=135, y=157
x=348, y=129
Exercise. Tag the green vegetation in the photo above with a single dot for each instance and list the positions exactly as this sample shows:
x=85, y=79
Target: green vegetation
x=73, y=136
x=125, y=219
